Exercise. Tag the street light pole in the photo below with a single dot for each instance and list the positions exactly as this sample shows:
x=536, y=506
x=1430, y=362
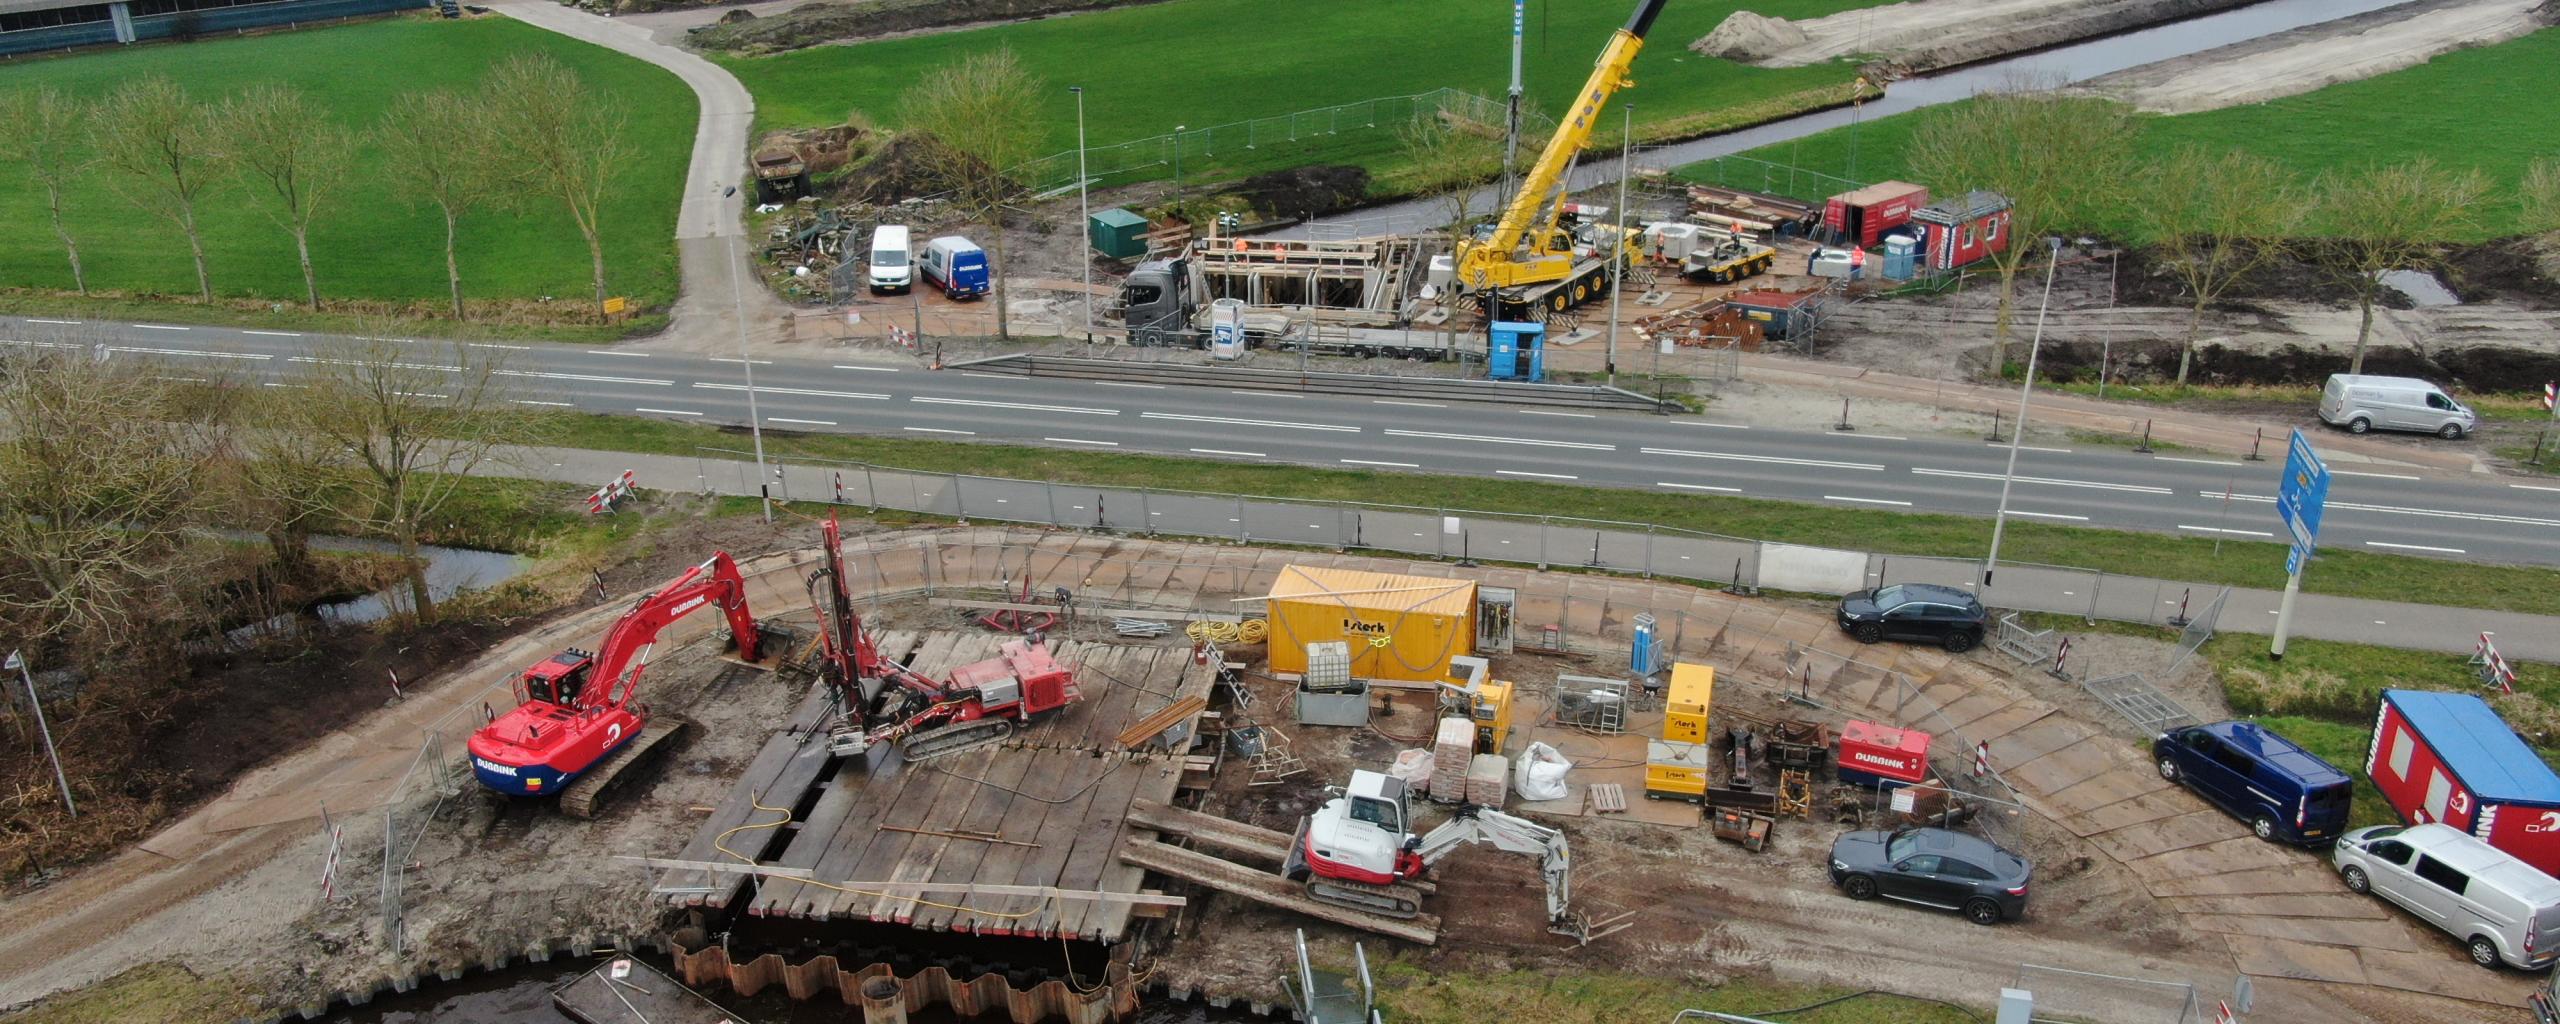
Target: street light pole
x=1084, y=209
x=2026, y=387
x=1177, y=163
x=1618, y=262
x=19, y=662
x=755, y=421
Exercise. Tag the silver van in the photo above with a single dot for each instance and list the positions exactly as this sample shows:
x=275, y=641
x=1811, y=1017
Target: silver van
x=2500, y=907
x=2362, y=402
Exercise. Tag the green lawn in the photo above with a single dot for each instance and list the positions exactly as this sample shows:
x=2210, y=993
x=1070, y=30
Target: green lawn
x=1199, y=63
x=2448, y=108
x=373, y=245
x=2242, y=563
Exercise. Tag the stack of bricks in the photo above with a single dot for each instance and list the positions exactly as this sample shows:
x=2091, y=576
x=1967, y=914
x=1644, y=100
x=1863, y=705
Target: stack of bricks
x=1452, y=756
x=1488, y=781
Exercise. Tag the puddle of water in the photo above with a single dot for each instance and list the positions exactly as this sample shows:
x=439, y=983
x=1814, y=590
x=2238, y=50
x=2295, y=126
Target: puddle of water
x=2422, y=288
x=450, y=571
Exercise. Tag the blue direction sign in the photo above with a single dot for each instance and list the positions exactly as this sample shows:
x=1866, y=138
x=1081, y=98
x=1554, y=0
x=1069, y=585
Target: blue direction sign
x=2301, y=497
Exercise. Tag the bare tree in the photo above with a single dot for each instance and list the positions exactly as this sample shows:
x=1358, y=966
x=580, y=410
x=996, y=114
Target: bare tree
x=443, y=149
x=104, y=470
x=46, y=129
x=414, y=426
x=2538, y=196
x=290, y=478
x=2058, y=159
x=978, y=119
x=2215, y=219
x=1450, y=157
x=2382, y=218
x=563, y=139
x=169, y=145
x=285, y=145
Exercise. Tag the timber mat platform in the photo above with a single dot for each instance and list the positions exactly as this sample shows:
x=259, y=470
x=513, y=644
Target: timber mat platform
x=1039, y=817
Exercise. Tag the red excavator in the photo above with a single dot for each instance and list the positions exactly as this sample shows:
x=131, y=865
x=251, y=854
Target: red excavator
x=881, y=701
x=579, y=719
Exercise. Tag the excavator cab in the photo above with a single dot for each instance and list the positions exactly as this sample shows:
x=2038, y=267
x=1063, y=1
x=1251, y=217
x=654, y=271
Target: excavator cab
x=559, y=678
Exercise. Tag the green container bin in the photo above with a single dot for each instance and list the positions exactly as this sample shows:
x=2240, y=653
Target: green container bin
x=1117, y=234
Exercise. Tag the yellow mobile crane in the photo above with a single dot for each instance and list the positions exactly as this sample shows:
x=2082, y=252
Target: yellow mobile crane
x=1526, y=268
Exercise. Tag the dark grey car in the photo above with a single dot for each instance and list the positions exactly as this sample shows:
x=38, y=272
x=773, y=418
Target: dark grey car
x=1932, y=867
x=1915, y=611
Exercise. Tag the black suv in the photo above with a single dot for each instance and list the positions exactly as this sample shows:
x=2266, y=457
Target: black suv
x=1915, y=611
x=1932, y=867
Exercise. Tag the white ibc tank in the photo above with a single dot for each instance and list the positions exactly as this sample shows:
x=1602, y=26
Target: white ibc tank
x=1226, y=328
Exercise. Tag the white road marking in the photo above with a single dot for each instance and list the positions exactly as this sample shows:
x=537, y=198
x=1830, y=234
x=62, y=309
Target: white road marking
x=591, y=378
x=290, y=334
x=1025, y=406
x=1710, y=423
x=1222, y=451
x=474, y=344
x=743, y=362
x=2532, y=487
x=2197, y=462
x=1417, y=405
x=438, y=367
x=2412, y=547
x=1365, y=462
x=2377, y=476
x=1126, y=384
x=1505, y=440
x=1079, y=440
x=1873, y=437
x=418, y=394
x=140, y=350
x=1572, y=415
x=869, y=369
x=939, y=430
x=1866, y=501
x=67, y=323
x=1282, y=424
x=529, y=401
x=768, y=390
x=2217, y=529
x=2029, y=448
x=277, y=384
x=2052, y=481
x=181, y=380
x=1542, y=476
x=2047, y=515
x=619, y=352
x=162, y=327
x=1731, y=457
x=2481, y=517
x=813, y=423
x=990, y=376
x=1263, y=394
x=1697, y=487
x=665, y=412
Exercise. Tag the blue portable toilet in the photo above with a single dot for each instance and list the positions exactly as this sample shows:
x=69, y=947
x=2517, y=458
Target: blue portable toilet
x=1901, y=257
x=1519, y=351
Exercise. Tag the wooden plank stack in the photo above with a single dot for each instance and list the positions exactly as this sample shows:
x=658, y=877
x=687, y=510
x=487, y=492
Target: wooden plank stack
x=1453, y=752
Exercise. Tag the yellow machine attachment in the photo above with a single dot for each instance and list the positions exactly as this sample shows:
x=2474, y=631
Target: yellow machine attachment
x=1474, y=694
x=1527, y=248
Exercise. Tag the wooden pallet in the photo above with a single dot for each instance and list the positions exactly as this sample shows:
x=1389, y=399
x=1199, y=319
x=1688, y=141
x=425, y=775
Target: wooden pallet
x=1161, y=719
x=1604, y=798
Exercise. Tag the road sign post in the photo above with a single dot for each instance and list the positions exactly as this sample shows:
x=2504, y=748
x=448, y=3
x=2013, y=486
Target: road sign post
x=2300, y=500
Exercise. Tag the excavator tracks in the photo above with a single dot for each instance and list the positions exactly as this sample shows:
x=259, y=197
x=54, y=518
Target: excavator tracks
x=952, y=739
x=582, y=796
x=1399, y=901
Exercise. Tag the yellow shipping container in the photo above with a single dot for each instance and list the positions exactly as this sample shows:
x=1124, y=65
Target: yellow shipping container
x=1685, y=707
x=1399, y=627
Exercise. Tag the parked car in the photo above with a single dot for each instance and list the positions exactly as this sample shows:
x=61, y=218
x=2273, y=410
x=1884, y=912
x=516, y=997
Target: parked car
x=2285, y=793
x=956, y=265
x=892, y=267
x=2500, y=907
x=1915, y=611
x=1932, y=867
x=2362, y=402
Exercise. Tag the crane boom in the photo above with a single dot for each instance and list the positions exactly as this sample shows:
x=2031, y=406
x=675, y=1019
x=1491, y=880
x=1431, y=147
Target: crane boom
x=1501, y=260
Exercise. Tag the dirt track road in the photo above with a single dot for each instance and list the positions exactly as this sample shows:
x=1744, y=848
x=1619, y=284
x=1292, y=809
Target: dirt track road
x=1925, y=34
x=2305, y=59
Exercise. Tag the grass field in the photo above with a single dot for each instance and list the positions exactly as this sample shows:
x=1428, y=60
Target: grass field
x=1199, y=63
x=372, y=245
x=2449, y=108
x=2241, y=563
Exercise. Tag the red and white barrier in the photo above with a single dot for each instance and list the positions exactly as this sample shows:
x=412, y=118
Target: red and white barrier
x=604, y=498
x=1982, y=759
x=2492, y=665
x=329, y=867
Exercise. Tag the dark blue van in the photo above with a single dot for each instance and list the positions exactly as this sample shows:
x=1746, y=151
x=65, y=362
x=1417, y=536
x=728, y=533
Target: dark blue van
x=2284, y=792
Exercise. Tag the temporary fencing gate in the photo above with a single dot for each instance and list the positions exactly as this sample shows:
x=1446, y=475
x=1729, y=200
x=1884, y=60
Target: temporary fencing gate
x=2083, y=997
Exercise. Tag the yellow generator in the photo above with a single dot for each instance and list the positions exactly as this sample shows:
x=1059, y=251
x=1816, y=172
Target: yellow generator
x=1677, y=771
x=1470, y=692
x=1684, y=707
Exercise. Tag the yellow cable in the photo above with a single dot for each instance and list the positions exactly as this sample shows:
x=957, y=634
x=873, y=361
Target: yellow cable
x=721, y=843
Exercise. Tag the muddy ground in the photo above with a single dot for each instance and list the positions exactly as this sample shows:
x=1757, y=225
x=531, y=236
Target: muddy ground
x=1908, y=38
x=812, y=24
x=2308, y=58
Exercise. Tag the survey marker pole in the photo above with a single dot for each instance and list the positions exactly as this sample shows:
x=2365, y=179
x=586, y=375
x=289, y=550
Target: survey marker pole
x=18, y=661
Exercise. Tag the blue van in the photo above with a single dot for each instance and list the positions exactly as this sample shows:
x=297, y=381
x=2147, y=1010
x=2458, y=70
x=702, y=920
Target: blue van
x=2284, y=792
x=956, y=265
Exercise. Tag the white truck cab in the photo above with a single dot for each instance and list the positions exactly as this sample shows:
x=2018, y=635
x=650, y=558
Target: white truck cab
x=892, y=267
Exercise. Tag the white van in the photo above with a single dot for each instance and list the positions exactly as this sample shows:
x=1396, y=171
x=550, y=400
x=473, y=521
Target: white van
x=2500, y=907
x=2362, y=402
x=892, y=267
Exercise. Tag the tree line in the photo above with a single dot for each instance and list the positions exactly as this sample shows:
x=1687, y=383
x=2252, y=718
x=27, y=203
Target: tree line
x=532, y=131
x=2213, y=217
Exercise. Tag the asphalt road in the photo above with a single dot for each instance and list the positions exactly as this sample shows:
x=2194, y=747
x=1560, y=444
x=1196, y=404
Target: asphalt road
x=2469, y=518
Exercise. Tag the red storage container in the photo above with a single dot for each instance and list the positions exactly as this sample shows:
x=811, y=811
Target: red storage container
x=2449, y=758
x=1860, y=218
x=1882, y=755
